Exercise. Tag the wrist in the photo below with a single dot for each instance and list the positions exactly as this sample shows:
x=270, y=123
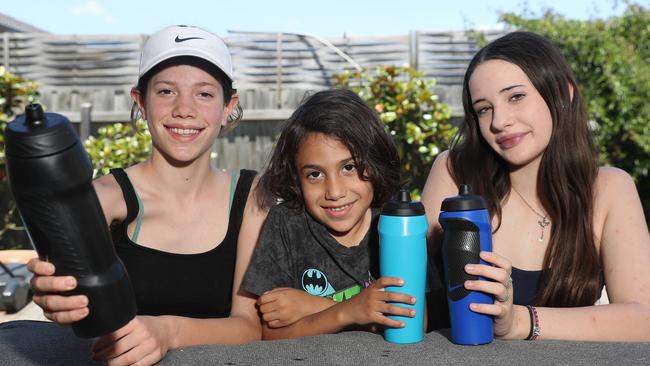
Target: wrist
x=342, y=315
x=521, y=323
x=170, y=327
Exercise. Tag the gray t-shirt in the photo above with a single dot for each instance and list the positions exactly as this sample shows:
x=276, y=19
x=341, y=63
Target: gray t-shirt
x=296, y=251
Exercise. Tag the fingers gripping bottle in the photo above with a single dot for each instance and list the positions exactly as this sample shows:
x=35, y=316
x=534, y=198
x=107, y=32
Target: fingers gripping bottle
x=403, y=254
x=467, y=231
x=50, y=176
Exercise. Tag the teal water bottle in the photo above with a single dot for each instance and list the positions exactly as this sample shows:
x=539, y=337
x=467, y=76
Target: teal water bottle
x=403, y=254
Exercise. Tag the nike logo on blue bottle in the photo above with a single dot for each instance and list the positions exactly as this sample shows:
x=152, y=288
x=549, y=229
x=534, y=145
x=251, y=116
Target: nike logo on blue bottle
x=178, y=39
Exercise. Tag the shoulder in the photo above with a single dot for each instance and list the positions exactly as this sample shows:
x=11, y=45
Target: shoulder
x=610, y=174
x=439, y=185
x=106, y=183
x=615, y=197
x=285, y=213
x=110, y=197
x=611, y=182
x=441, y=170
x=286, y=222
x=252, y=205
x=254, y=214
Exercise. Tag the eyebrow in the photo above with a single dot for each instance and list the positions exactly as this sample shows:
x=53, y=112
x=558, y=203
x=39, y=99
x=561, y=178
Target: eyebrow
x=317, y=167
x=199, y=84
x=500, y=91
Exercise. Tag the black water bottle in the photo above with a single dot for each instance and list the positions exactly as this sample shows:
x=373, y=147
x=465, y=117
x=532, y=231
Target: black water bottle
x=50, y=176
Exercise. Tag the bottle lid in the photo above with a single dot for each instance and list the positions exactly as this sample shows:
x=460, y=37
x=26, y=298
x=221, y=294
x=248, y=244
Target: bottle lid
x=465, y=201
x=36, y=133
x=403, y=206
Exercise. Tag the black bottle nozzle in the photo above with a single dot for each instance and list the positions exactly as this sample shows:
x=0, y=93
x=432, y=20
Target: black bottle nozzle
x=404, y=195
x=34, y=115
x=465, y=200
x=400, y=204
x=465, y=190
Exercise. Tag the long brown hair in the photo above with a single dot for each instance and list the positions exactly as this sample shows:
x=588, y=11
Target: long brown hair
x=571, y=271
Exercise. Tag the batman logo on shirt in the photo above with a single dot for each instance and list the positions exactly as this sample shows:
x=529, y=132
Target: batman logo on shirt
x=314, y=282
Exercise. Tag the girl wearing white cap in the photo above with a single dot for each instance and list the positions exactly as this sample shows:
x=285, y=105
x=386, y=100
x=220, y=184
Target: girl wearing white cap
x=184, y=230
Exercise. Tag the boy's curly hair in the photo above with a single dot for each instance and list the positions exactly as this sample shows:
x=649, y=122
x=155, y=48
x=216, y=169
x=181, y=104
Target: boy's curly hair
x=341, y=114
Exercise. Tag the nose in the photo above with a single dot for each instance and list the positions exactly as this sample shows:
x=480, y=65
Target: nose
x=501, y=119
x=184, y=107
x=335, y=188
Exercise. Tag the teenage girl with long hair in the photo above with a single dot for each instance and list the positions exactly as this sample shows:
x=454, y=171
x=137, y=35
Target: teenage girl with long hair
x=563, y=227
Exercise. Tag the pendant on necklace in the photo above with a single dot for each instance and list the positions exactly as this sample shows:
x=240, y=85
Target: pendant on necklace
x=543, y=223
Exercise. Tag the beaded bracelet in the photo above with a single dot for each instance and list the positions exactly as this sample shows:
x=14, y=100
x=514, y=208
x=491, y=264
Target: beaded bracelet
x=535, y=329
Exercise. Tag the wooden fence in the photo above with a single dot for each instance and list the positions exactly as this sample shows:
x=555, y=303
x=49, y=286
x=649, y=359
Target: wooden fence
x=273, y=73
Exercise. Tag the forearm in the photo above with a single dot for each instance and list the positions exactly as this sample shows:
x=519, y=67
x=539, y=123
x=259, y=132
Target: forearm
x=330, y=320
x=612, y=322
x=232, y=330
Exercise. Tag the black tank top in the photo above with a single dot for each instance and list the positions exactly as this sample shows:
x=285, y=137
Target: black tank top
x=524, y=284
x=191, y=285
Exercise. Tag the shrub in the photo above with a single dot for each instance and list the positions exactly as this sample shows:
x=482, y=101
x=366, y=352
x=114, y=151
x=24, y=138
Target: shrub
x=15, y=93
x=118, y=145
x=413, y=115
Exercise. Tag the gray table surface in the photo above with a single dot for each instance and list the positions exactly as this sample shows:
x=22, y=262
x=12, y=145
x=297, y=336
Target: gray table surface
x=26, y=342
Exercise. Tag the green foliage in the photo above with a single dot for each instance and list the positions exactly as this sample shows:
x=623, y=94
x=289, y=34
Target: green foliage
x=610, y=60
x=118, y=145
x=413, y=115
x=15, y=93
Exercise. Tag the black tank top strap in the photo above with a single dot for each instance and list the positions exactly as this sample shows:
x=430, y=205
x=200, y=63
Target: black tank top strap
x=130, y=198
x=244, y=184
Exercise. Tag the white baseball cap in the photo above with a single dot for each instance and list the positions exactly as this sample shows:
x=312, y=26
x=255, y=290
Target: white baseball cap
x=182, y=40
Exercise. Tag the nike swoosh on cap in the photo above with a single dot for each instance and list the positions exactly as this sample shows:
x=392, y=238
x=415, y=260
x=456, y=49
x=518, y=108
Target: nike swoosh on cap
x=179, y=39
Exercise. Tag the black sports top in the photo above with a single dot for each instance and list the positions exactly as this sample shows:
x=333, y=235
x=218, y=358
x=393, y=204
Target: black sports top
x=191, y=285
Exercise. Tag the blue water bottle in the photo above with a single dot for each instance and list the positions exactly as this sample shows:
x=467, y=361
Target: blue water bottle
x=467, y=231
x=403, y=254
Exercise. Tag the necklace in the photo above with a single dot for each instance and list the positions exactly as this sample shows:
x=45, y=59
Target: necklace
x=543, y=221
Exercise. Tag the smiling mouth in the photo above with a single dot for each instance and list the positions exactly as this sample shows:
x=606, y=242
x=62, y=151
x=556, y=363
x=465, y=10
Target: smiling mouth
x=510, y=141
x=184, y=131
x=340, y=208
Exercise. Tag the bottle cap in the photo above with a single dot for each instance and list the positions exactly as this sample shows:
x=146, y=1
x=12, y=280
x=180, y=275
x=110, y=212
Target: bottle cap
x=36, y=133
x=465, y=201
x=402, y=206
